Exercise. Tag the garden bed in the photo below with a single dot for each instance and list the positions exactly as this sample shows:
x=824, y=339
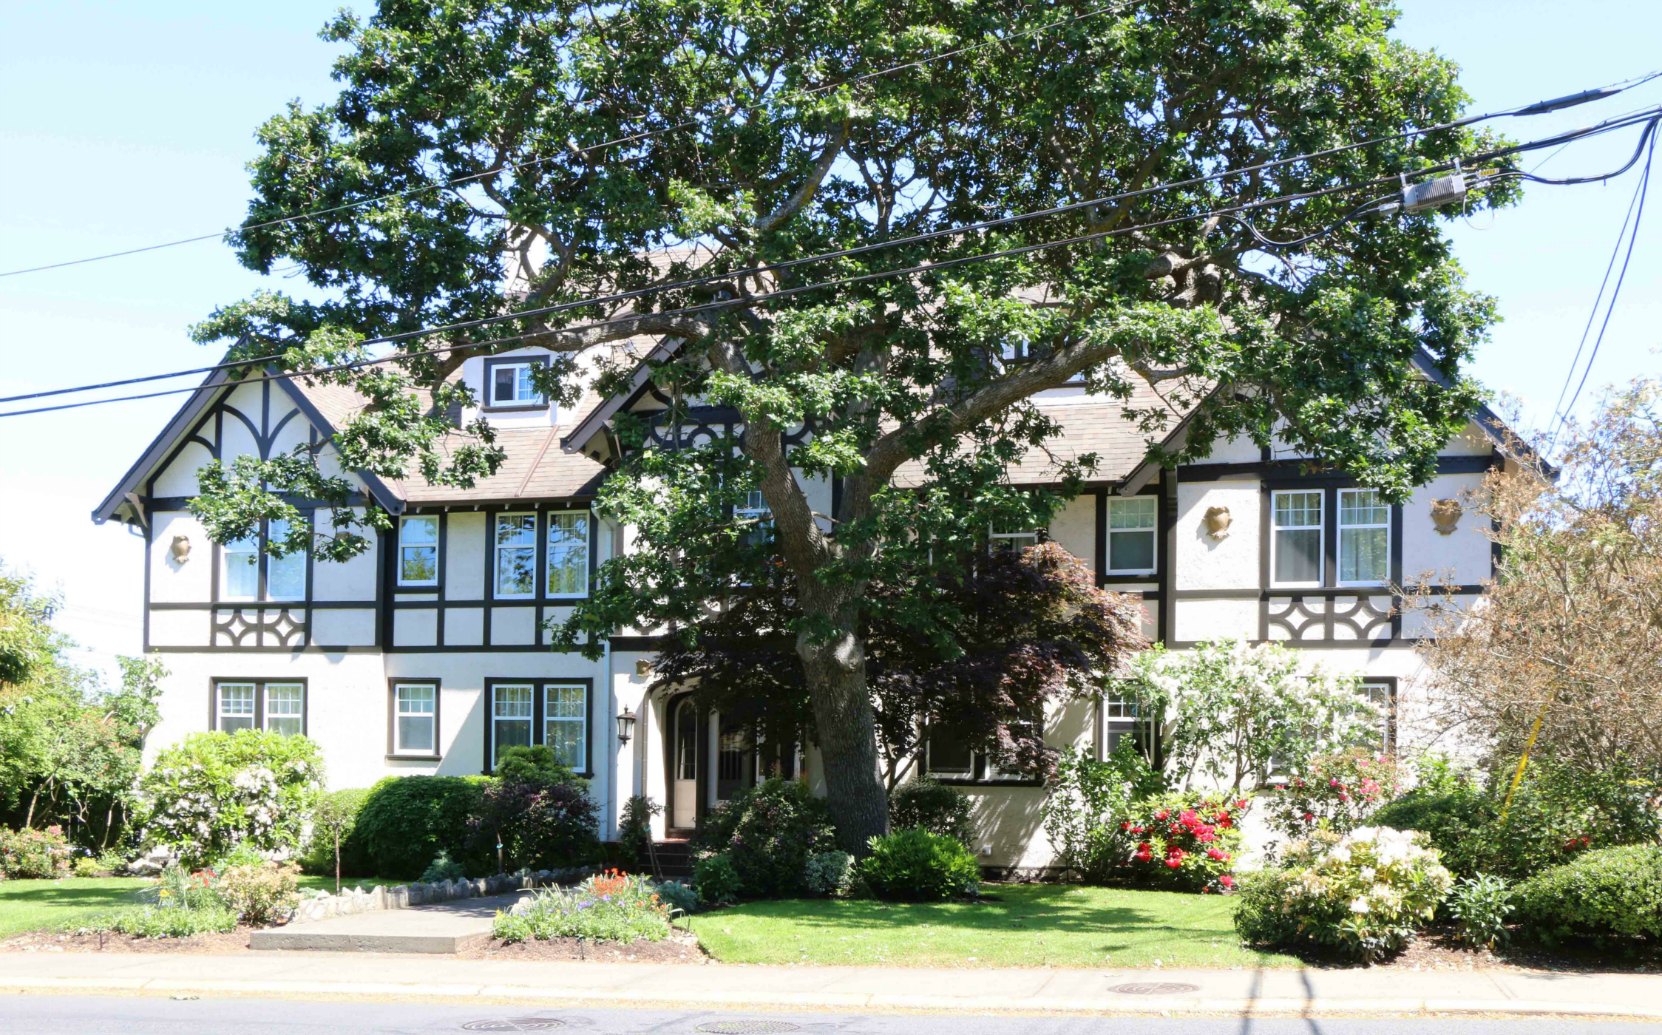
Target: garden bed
x=58, y=941
x=679, y=947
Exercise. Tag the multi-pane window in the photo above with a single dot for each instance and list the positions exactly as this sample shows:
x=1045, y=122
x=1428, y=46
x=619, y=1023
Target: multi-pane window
x=1131, y=530
x=1382, y=695
x=565, y=712
x=244, y=561
x=418, y=550
x=511, y=711
x=568, y=553
x=234, y=708
x=415, y=719
x=1122, y=719
x=1013, y=538
x=510, y=384
x=276, y=705
x=1296, y=541
x=755, y=518
x=554, y=714
x=516, y=555
x=948, y=754
x=1364, y=537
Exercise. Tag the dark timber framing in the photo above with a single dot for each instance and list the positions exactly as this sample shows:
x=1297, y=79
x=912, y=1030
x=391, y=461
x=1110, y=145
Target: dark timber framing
x=259, y=683
x=539, y=685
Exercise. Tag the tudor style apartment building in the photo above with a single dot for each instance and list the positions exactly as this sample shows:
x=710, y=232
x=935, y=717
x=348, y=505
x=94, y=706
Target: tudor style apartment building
x=427, y=654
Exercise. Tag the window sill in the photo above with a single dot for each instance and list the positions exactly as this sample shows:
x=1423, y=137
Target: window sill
x=514, y=408
x=415, y=758
x=970, y=781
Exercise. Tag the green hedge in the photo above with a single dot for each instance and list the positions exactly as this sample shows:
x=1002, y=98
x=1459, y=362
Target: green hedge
x=1604, y=893
x=407, y=820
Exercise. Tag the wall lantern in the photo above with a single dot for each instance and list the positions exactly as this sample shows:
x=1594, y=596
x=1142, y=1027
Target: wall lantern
x=180, y=549
x=625, y=725
x=1445, y=515
x=643, y=667
x=1218, y=522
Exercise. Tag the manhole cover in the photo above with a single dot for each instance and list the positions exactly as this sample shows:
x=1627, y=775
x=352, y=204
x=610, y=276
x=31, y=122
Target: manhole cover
x=746, y=1027
x=516, y=1024
x=1154, y=988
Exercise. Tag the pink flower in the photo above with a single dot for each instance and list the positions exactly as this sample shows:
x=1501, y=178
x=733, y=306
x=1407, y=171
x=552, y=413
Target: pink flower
x=1227, y=881
x=1162, y=814
x=1309, y=817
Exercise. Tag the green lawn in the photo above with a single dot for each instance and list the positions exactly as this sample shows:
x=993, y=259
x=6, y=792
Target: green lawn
x=1027, y=925
x=37, y=905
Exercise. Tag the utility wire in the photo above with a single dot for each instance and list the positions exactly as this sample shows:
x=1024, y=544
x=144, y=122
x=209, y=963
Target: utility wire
x=590, y=149
x=1615, y=293
x=1563, y=140
x=920, y=268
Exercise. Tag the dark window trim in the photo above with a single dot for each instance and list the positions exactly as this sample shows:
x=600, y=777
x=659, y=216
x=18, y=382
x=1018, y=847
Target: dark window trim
x=539, y=686
x=1391, y=686
x=436, y=586
x=980, y=767
x=260, y=683
x=485, y=402
x=392, y=718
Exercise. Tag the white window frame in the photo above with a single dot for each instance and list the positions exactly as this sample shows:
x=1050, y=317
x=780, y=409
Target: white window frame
x=529, y=718
x=579, y=546
x=271, y=563
x=1342, y=527
x=947, y=774
x=299, y=716
x=498, y=548
x=400, y=713
x=233, y=553
x=1319, y=528
x=263, y=562
x=403, y=546
x=220, y=714
x=580, y=720
x=1013, y=539
x=1152, y=531
x=1382, y=693
x=522, y=377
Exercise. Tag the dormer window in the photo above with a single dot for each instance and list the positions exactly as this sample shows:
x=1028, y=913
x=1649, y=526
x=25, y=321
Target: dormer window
x=509, y=385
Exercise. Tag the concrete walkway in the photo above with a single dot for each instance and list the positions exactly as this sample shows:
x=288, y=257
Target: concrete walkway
x=443, y=927
x=1036, y=990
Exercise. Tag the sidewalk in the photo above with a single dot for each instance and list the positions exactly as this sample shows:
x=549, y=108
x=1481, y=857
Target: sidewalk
x=1038, y=990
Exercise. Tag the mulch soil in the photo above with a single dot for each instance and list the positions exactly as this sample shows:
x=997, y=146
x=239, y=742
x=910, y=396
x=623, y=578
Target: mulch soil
x=1437, y=949
x=679, y=947
x=196, y=944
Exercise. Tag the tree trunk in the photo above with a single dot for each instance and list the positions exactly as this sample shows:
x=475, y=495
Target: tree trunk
x=847, y=734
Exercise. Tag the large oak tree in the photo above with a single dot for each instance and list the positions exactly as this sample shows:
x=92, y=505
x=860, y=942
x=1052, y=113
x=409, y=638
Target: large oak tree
x=609, y=147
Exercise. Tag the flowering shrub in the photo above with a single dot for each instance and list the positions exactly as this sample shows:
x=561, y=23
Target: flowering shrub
x=1190, y=840
x=219, y=790
x=30, y=853
x=1336, y=792
x=1364, y=895
x=768, y=832
x=917, y=866
x=610, y=906
x=260, y=893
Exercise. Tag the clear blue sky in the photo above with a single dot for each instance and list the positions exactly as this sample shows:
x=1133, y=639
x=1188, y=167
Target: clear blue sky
x=122, y=124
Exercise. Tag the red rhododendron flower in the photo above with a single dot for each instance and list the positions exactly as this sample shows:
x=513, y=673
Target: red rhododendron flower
x=1227, y=881
x=1174, y=861
x=1241, y=804
x=1309, y=817
x=1162, y=814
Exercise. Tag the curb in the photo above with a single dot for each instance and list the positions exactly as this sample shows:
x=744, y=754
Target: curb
x=873, y=1002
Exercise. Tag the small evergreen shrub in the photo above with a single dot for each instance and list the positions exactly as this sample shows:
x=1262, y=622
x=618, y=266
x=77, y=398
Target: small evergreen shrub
x=218, y=790
x=260, y=893
x=155, y=922
x=933, y=806
x=539, y=824
x=634, y=829
x=829, y=873
x=87, y=866
x=1088, y=812
x=1188, y=840
x=1479, y=907
x=1337, y=792
x=1604, y=895
x=917, y=866
x=442, y=868
x=681, y=897
x=407, y=820
x=717, y=880
x=768, y=832
x=1363, y=896
x=609, y=907
x=535, y=764
x=30, y=854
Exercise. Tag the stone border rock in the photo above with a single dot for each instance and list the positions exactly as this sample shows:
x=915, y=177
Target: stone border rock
x=403, y=896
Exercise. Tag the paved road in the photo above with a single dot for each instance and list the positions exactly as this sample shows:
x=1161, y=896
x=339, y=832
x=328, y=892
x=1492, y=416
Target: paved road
x=151, y=1015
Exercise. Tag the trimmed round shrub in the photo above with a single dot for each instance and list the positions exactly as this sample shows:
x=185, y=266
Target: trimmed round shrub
x=929, y=805
x=33, y=854
x=1363, y=896
x=1604, y=893
x=717, y=880
x=216, y=791
x=406, y=821
x=828, y=873
x=917, y=866
x=769, y=831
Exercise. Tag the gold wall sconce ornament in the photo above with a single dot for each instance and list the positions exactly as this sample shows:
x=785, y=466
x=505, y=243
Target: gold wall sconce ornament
x=1218, y=520
x=1445, y=515
x=180, y=549
x=643, y=667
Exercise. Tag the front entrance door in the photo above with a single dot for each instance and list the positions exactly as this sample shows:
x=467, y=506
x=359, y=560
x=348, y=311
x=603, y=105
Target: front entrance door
x=683, y=764
x=735, y=760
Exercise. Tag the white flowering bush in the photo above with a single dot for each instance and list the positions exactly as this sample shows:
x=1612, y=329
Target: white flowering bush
x=1364, y=895
x=218, y=791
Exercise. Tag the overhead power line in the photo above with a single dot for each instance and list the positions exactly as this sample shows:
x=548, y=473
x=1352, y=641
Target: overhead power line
x=1562, y=139
x=1535, y=108
x=917, y=269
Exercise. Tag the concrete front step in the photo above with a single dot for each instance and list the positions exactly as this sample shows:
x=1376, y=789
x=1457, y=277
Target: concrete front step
x=444, y=927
